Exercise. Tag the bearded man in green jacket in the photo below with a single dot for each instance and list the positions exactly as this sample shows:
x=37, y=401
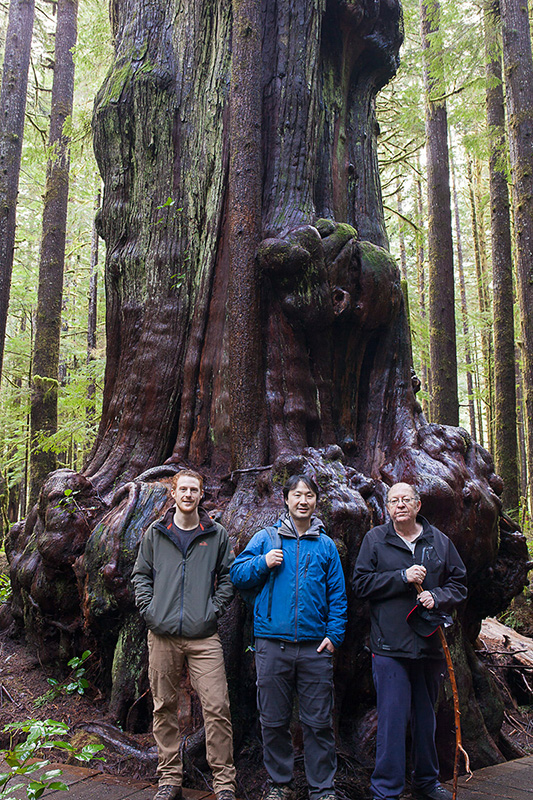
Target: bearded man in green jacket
x=182, y=587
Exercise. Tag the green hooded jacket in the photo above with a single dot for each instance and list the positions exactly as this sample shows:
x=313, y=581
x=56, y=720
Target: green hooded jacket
x=183, y=595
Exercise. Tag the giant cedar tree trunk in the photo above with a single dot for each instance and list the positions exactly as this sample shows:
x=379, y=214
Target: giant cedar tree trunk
x=518, y=76
x=505, y=424
x=326, y=322
x=52, y=258
x=444, y=401
x=12, y=108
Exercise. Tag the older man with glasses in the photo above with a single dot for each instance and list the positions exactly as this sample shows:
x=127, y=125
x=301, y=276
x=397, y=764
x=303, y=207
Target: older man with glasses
x=407, y=659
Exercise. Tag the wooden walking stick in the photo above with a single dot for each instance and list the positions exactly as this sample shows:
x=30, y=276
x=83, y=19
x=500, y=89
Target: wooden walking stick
x=456, y=709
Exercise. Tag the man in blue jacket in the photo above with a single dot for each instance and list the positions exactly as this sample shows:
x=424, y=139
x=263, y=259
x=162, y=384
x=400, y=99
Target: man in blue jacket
x=407, y=660
x=299, y=621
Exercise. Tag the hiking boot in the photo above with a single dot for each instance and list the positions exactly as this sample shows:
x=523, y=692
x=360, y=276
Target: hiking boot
x=169, y=791
x=438, y=793
x=225, y=794
x=278, y=791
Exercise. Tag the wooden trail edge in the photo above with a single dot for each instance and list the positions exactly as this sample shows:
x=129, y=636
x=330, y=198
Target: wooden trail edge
x=456, y=710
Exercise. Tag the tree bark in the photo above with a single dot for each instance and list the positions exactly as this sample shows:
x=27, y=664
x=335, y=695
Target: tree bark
x=518, y=77
x=421, y=287
x=444, y=402
x=12, y=108
x=245, y=185
x=51, y=265
x=464, y=306
x=521, y=424
x=92, y=314
x=483, y=304
x=505, y=420
x=401, y=237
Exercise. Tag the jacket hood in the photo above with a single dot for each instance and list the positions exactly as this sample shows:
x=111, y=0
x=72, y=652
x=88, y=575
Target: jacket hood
x=287, y=527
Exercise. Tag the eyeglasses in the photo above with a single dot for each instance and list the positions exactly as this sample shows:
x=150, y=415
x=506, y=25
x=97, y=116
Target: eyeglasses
x=408, y=501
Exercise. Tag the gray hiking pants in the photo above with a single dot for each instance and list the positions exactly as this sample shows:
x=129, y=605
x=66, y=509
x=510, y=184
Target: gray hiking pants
x=284, y=668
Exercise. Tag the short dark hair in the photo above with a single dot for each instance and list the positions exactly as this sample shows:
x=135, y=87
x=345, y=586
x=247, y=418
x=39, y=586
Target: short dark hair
x=293, y=481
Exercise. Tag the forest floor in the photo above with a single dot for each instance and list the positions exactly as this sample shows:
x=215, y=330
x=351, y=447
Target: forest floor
x=23, y=689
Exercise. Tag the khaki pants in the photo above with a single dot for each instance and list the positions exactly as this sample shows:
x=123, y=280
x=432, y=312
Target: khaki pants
x=205, y=662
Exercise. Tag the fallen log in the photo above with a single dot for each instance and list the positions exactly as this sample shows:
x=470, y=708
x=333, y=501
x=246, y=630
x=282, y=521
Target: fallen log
x=497, y=639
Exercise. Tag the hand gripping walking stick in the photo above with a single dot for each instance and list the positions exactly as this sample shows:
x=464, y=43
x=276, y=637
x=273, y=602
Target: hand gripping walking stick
x=456, y=709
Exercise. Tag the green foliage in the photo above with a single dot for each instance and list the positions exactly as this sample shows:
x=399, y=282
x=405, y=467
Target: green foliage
x=26, y=758
x=457, y=58
x=75, y=683
x=81, y=372
x=5, y=588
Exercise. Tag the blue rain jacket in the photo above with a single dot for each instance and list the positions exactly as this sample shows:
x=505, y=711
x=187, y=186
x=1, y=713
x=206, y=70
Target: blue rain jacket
x=305, y=597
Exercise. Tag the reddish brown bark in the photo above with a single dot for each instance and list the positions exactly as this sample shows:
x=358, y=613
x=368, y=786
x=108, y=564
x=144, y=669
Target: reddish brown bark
x=245, y=364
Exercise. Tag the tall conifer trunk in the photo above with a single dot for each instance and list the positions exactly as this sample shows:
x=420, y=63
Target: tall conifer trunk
x=518, y=77
x=505, y=420
x=444, y=401
x=52, y=258
x=464, y=306
x=12, y=109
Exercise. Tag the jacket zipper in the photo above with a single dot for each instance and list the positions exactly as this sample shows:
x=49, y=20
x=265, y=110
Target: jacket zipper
x=307, y=564
x=296, y=594
x=184, y=562
x=416, y=648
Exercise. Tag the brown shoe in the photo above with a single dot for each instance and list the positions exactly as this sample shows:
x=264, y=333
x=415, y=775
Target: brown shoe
x=168, y=791
x=225, y=794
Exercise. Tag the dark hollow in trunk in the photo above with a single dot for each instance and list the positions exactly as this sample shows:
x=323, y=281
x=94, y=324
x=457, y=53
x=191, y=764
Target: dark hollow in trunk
x=333, y=360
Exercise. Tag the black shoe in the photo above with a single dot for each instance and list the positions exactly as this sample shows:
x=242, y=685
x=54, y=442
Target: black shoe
x=438, y=793
x=278, y=791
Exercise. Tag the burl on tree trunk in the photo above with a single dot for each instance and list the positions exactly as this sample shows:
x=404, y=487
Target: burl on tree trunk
x=327, y=386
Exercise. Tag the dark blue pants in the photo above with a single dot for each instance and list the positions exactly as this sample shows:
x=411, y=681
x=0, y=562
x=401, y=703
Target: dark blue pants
x=407, y=691
x=283, y=669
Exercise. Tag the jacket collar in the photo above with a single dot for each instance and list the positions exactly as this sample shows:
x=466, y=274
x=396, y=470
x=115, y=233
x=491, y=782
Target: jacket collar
x=287, y=528
x=206, y=523
x=393, y=537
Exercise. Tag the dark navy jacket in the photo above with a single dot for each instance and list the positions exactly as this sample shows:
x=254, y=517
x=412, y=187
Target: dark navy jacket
x=306, y=598
x=379, y=576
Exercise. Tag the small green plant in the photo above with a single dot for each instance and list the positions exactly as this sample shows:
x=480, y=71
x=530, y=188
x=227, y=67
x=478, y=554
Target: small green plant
x=68, y=500
x=25, y=758
x=74, y=683
x=5, y=588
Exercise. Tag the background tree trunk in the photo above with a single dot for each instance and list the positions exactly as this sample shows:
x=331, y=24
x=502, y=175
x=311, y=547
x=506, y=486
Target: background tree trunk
x=48, y=316
x=12, y=108
x=505, y=422
x=444, y=400
x=518, y=75
x=464, y=308
x=335, y=362
x=92, y=314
